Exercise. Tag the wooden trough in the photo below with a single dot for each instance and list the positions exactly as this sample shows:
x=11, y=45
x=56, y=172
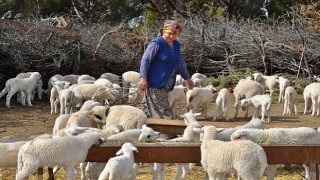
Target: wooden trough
x=190, y=153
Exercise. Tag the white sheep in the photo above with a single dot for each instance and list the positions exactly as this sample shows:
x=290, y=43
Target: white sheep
x=177, y=97
x=54, y=78
x=121, y=166
x=204, y=81
x=9, y=153
x=66, y=151
x=38, y=88
x=104, y=82
x=146, y=134
x=245, y=89
x=65, y=99
x=222, y=105
x=197, y=82
x=312, y=91
x=300, y=135
x=72, y=78
x=290, y=101
x=258, y=101
x=93, y=118
x=54, y=94
x=283, y=84
x=25, y=86
x=85, y=77
x=129, y=117
x=129, y=79
x=179, y=80
x=220, y=158
x=200, y=97
x=111, y=77
x=267, y=82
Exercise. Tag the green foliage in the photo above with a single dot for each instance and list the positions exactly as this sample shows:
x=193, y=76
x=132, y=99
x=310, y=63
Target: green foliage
x=234, y=76
x=300, y=84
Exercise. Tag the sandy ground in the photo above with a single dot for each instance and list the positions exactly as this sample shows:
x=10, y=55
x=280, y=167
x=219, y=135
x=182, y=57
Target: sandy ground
x=26, y=121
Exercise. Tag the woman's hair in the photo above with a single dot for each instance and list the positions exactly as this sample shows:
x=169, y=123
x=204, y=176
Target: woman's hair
x=170, y=25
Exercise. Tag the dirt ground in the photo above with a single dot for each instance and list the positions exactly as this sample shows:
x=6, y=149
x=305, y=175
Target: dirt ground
x=26, y=121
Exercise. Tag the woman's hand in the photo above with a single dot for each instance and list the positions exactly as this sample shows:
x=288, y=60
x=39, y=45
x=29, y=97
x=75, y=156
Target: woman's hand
x=190, y=84
x=143, y=83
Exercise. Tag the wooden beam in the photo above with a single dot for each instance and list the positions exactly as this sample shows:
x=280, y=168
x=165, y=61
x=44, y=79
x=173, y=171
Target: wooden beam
x=70, y=34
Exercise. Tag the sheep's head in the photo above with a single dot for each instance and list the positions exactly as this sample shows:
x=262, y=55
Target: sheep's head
x=36, y=75
x=148, y=134
x=127, y=148
x=239, y=135
x=99, y=113
x=257, y=76
x=245, y=103
x=190, y=117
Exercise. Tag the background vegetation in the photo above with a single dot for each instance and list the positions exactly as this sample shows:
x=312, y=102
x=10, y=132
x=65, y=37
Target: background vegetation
x=224, y=39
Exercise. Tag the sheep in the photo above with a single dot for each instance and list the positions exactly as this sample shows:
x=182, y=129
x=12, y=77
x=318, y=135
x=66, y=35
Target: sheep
x=204, y=81
x=290, y=101
x=312, y=91
x=65, y=99
x=54, y=78
x=267, y=82
x=283, y=84
x=222, y=104
x=65, y=151
x=121, y=166
x=129, y=79
x=93, y=118
x=225, y=133
x=177, y=97
x=9, y=153
x=91, y=91
x=25, y=85
x=111, y=77
x=146, y=134
x=104, y=82
x=179, y=80
x=129, y=117
x=219, y=158
x=264, y=101
x=196, y=82
x=54, y=94
x=85, y=77
x=107, y=95
x=72, y=78
x=245, y=89
x=38, y=88
x=300, y=135
x=199, y=96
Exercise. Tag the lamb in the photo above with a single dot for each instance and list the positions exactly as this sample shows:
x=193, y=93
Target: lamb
x=283, y=84
x=38, y=89
x=65, y=151
x=91, y=91
x=25, y=86
x=177, y=97
x=62, y=120
x=54, y=94
x=312, y=91
x=267, y=82
x=111, y=77
x=245, y=158
x=72, y=78
x=121, y=166
x=146, y=134
x=93, y=118
x=245, y=89
x=65, y=99
x=222, y=104
x=199, y=96
x=290, y=101
x=129, y=79
x=104, y=82
x=106, y=95
x=300, y=135
x=264, y=101
x=129, y=117
x=179, y=80
x=204, y=81
x=53, y=79
x=85, y=77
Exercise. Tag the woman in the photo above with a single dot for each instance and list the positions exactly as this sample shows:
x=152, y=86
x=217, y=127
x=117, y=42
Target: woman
x=160, y=63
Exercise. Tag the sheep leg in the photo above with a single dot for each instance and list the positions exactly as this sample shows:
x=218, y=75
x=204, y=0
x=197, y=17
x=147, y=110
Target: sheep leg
x=284, y=107
x=56, y=102
x=82, y=171
x=236, y=107
x=134, y=171
x=25, y=171
x=70, y=175
x=271, y=171
x=178, y=171
x=185, y=170
x=162, y=171
x=28, y=97
x=9, y=96
x=314, y=106
x=305, y=105
x=307, y=169
x=22, y=98
x=263, y=107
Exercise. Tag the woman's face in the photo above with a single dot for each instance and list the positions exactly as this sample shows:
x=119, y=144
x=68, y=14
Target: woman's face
x=170, y=36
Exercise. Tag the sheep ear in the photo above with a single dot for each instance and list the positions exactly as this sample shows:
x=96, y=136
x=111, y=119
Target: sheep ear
x=220, y=129
x=144, y=126
x=91, y=112
x=120, y=152
x=182, y=116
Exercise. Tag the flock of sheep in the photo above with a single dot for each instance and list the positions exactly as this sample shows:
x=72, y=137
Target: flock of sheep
x=92, y=110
